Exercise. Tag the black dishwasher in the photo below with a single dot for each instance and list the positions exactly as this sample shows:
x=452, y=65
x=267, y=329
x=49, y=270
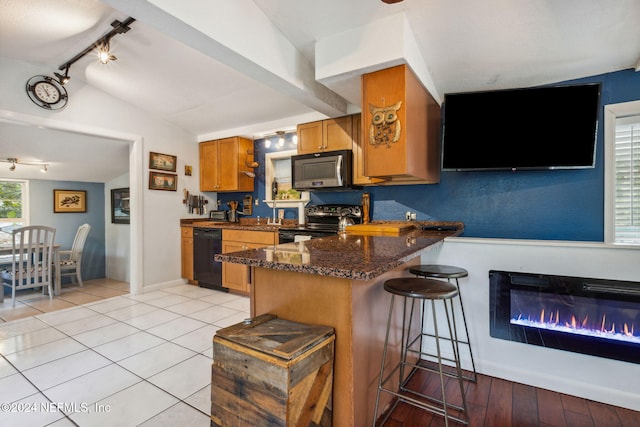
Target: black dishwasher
x=207, y=242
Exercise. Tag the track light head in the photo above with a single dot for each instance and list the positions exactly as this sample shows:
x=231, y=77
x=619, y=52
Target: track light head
x=63, y=79
x=104, y=53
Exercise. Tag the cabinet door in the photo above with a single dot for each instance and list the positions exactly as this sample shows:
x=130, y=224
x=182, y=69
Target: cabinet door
x=359, y=178
x=310, y=138
x=235, y=276
x=209, y=166
x=382, y=89
x=227, y=164
x=337, y=134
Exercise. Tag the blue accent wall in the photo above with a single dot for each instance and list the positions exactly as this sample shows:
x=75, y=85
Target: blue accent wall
x=547, y=205
x=66, y=224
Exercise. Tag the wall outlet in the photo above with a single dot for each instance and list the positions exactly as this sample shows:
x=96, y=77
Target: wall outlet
x=414, y=216
x=407, y=216
x=257, y=202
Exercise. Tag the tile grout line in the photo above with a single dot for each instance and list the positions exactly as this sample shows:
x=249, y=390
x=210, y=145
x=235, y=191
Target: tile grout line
x=164, y=341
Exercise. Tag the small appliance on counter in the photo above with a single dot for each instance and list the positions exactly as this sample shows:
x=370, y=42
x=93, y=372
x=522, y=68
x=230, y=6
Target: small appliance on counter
x=218, y=216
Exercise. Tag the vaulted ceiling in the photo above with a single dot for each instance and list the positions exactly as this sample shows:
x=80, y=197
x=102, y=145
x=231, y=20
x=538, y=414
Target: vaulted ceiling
x=269, y=63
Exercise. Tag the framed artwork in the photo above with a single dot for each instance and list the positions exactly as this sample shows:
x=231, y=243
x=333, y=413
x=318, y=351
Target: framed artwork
x=163, y=162
x=120, y=209
x=69, y=201
x=163, y=181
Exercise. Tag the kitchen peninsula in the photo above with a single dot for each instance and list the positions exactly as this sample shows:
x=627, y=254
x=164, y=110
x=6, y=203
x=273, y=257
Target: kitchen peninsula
x=338, y=281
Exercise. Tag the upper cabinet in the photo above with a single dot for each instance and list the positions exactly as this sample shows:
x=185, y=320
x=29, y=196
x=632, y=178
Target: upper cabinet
x=223, y=163
x=359, y=178
x=400, y=128
x=325, y=135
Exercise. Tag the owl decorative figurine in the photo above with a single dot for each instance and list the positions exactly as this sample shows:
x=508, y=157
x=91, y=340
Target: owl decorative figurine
x=385, y=125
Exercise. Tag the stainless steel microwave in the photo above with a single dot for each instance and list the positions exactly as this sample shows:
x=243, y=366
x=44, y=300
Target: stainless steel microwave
x=331, y=169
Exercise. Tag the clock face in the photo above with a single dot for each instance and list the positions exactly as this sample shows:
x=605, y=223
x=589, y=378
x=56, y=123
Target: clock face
x=47, y=92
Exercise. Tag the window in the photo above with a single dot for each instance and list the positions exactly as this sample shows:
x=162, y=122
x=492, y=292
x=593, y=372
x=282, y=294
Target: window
x=13, y=207
x=278, y=166
x=622, y=176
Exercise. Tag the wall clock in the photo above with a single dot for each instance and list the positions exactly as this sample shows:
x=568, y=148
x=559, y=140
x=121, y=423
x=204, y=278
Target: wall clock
x=46, y=92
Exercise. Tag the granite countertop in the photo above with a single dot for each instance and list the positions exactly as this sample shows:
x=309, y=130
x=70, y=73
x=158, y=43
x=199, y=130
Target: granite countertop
x=350, y=256
x=249, y=224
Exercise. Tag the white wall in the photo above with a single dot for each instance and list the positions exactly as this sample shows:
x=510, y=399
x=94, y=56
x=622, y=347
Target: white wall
x=157, y=230
x=118, y=241
x=609, y=381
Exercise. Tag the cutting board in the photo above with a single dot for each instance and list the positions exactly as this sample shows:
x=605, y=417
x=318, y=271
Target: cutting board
x=389, y=228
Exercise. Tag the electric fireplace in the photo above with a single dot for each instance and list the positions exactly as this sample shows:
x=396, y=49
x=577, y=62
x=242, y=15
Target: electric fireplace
x=591, y=316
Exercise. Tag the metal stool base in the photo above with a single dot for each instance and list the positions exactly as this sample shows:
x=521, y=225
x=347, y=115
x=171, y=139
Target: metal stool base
x=450, y=273
x=435, y=405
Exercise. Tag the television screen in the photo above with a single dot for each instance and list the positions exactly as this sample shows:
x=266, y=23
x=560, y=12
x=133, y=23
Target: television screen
x=551, y=127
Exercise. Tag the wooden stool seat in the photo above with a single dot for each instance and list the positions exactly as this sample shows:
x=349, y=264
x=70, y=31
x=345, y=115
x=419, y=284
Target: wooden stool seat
x=439, y=271
x=413, y=287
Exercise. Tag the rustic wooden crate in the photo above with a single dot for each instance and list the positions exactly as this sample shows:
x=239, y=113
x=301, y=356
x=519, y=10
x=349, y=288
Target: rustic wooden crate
x=272, y=372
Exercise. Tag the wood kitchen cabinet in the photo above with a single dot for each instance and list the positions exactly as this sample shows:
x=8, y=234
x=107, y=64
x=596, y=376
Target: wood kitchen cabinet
x=186, y=244
x=222, y=163
x=359, y=178
x=325, y=135
x=400, y=128
x=237, y=276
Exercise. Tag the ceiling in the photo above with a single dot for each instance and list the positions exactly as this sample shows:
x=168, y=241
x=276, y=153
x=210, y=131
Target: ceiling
x=174, y=70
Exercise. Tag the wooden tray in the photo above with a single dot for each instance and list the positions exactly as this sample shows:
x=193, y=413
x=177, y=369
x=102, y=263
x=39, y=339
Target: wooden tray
x=391, y=228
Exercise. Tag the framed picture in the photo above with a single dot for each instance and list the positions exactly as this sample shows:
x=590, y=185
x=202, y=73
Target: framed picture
x=120, y=210
x=69, y=201
x=163, y=162
x=163, y=181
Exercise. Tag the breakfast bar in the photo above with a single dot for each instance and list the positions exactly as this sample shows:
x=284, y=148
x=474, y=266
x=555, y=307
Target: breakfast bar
x=337, y=281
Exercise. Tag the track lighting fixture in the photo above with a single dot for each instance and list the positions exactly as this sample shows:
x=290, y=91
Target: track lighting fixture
x=44, y=167
x=280, y=134
x=100, y=46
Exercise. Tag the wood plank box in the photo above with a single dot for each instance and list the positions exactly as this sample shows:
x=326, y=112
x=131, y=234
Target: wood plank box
x=272, y=372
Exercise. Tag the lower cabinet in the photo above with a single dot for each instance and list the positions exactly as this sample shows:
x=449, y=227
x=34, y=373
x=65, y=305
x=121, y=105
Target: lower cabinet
x=237, y=276
x=186, y=243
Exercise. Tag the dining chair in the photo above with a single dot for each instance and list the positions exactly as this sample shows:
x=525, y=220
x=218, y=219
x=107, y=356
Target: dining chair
x=71, y=260
x=32, y=260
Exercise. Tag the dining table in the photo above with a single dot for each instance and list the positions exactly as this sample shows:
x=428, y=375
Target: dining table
x=6, y=251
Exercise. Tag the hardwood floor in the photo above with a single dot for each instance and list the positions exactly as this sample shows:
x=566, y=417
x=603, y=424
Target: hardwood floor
x=494, y=402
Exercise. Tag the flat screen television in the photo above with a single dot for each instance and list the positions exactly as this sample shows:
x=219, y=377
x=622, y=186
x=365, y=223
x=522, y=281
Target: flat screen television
x=550, y=127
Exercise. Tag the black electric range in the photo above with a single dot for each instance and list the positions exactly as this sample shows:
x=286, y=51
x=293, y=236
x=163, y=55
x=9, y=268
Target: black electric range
x=321, y=221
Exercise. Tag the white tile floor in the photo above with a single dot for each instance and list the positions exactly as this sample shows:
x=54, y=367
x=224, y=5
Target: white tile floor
x=125, y=361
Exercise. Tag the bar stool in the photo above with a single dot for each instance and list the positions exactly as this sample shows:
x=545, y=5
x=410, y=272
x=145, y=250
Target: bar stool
x=450, y=272
x=422, y=290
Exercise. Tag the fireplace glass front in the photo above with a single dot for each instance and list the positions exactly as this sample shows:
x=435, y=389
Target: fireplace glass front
x=591, y=316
